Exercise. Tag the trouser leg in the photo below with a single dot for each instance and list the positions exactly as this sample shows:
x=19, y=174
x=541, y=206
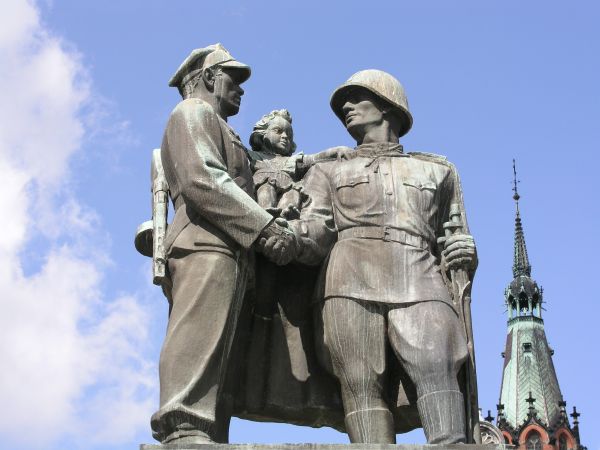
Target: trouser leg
x=429, y=341
x=208, y=289
x=355, y=336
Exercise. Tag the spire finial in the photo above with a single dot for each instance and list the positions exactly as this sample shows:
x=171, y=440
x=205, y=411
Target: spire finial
x=521, y=264
x=532, y=411
x=516, y=195
x=575, y=415
x=562, y=407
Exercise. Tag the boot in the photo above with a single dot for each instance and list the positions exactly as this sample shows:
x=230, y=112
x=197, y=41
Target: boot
x=443, y=417
x=373, y=426
x=186, y=433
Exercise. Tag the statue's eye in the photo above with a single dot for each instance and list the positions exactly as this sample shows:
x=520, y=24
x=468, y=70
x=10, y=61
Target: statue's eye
x=277, y=130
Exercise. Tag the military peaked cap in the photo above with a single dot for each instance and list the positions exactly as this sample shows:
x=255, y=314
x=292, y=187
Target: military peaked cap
x=203, y=58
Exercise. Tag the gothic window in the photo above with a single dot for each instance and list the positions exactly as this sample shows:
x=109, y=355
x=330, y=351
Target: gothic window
x=534, y=441
x=562, y=442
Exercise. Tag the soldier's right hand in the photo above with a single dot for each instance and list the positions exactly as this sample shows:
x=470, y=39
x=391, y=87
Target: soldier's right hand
x=278, y=243
x=460, y=252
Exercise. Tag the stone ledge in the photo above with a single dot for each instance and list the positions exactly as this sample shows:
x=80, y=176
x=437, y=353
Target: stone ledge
x=323, y=447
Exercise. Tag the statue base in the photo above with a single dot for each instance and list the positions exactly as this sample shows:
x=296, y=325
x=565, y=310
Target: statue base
x=324, y=447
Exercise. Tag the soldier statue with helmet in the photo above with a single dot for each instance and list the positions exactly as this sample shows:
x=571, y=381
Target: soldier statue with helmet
x=376, y=216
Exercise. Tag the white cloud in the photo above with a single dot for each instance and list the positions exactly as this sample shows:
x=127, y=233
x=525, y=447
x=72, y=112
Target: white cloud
x=72, y=360
x=43, y=86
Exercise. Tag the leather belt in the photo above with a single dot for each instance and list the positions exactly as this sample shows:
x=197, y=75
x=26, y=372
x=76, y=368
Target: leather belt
x=384, y=233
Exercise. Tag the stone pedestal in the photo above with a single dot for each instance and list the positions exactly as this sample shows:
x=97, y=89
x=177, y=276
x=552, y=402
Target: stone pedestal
x=323, y=447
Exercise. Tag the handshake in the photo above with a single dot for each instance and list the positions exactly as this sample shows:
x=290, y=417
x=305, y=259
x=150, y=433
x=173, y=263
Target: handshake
x=278, y=243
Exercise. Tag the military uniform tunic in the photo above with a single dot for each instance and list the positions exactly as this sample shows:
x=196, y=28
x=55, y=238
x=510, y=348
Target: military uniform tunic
x=379, y=211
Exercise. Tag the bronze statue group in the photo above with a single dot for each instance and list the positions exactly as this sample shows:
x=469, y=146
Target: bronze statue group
x=327, y=289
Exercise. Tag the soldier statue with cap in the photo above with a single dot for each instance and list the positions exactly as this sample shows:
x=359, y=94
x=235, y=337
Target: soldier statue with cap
x=380, y=219
x=216, y=224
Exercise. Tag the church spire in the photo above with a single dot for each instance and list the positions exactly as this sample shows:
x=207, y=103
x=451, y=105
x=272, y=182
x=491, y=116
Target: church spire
x=521, y=264
x=530, y=396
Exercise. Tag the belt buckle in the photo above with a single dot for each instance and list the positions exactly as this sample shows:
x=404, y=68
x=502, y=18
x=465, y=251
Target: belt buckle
x=386, y=234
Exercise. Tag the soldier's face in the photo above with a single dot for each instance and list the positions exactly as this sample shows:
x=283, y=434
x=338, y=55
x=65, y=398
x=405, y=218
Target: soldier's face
x=228, y=90
x=279, y=136
x=362, y=111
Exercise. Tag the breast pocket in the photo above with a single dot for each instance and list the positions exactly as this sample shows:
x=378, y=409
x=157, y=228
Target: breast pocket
x=420, y=194
x=358, y=195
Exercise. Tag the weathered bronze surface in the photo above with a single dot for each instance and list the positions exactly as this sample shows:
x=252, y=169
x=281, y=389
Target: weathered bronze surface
x=325, y=290
x=326, y=447
x=208, y=245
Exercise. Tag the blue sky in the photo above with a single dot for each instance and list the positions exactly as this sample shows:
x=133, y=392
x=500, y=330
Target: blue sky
x=84, y=99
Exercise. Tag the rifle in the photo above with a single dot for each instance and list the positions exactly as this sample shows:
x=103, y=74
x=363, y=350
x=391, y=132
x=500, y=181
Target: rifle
x=150, y=235
x=461, y=294
x=160, y=210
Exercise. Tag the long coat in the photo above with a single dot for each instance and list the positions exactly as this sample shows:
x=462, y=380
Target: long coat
x=208, y=249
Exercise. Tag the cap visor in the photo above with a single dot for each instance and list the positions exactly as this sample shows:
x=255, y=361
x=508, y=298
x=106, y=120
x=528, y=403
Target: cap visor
x=238, y=66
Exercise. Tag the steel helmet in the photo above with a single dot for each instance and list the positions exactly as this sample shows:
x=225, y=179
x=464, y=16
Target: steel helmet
x=380, y=83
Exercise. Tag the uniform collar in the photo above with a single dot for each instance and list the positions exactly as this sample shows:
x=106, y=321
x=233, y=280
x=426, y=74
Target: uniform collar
x=379, y=149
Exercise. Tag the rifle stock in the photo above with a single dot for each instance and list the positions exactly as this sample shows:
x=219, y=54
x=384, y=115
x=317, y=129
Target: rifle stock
x=160, y=207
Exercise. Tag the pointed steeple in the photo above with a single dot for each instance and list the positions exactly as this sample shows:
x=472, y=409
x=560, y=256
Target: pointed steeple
x=521, y=264
x=523, y=296
x=530, y=392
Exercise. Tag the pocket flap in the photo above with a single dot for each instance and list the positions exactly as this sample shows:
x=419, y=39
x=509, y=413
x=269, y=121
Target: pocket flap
x=420, y=184
x=350, y=181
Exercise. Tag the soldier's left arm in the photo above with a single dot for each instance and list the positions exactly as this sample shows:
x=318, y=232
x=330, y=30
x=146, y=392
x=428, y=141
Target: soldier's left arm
x=459, y=248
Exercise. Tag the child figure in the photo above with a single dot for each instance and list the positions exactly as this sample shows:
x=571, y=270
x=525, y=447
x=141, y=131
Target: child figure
x=278, y=181
x=276, y=172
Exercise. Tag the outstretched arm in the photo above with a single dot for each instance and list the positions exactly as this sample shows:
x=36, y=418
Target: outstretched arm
x=315, y=230
x=307, y=161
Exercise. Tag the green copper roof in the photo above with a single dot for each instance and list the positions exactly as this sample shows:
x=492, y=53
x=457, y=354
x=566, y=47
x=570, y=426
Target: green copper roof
x=528, y=367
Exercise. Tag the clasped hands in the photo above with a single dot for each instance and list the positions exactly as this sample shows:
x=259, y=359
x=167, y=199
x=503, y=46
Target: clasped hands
x=460, y=252
x=278, y=243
